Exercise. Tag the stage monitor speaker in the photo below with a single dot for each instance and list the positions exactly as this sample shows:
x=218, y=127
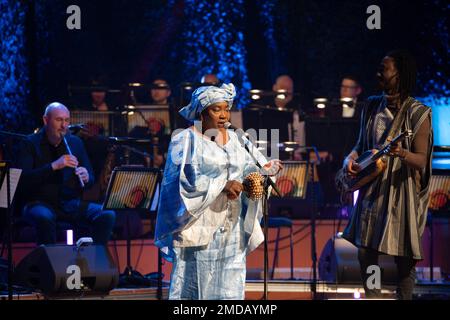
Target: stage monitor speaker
x=53, y=270
x=339, y=263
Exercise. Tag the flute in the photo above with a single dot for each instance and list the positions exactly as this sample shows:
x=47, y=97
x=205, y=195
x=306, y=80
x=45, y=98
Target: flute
x=70, y=152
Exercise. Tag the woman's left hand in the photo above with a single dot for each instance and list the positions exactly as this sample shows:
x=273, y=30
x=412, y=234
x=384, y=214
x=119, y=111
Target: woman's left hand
x=273, y=167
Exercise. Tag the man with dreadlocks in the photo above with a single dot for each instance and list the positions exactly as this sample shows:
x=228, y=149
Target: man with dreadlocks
x=390, y=214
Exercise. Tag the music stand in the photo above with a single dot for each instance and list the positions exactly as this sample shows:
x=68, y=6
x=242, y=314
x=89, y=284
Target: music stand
x=9, y=179
x=140, y=115
x=292, y=181
x=96, y=122
x=133, y=187
x=439, y=203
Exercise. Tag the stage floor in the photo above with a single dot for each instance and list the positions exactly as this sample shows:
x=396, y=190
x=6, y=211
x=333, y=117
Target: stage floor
x=277, y=290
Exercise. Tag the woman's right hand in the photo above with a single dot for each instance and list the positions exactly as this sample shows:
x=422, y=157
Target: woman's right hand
x=233, y=189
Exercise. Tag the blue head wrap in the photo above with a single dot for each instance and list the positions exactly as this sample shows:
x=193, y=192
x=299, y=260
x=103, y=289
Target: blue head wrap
x=203, y=97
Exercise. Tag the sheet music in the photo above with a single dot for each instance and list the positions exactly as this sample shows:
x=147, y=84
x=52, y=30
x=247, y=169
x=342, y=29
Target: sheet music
x=14, y=175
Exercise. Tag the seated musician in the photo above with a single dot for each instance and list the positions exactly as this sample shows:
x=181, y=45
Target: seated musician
x=54, y=177
x=98, y=94
x=94, y=98
x=98, y=100
x=154, y=132
x=154, y=129
x=160, y=92
x=350, y=89
x=296, y=118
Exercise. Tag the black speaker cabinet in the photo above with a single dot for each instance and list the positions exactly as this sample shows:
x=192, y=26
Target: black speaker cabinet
x=339, y=263
x=54, y=269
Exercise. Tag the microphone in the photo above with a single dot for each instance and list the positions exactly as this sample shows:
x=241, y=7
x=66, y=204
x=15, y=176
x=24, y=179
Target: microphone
x=238, y=131
x=241, y=134
x=76, y=127
x=228, y=125
x=244, y=139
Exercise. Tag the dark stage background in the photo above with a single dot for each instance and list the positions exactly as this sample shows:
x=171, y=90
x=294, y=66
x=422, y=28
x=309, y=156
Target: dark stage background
x=246, y=42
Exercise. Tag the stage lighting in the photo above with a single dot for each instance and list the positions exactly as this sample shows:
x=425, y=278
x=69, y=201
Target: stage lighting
x=281, y=94
x=320, y=103
x=160, y=86
x=129, y=110
x=347, y=102
x=261, y=144
x=135, y=84
x=348, y=107
x=188, y=86
x=255, y=94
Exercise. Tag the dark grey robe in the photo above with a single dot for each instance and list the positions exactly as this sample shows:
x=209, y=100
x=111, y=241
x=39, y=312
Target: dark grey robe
x=390, y=213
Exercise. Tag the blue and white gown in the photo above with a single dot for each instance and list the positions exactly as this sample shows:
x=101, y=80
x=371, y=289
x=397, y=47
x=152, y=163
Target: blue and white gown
x=205, y=235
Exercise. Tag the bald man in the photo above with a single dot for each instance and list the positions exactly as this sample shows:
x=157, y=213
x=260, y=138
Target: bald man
x=53, y=180
x=293, y=121
x=285, y=83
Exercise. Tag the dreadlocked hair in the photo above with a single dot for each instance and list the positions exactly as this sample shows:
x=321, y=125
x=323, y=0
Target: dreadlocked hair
x=407, y=71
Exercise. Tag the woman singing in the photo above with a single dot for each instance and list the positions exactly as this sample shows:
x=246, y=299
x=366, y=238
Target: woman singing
x=206, y=226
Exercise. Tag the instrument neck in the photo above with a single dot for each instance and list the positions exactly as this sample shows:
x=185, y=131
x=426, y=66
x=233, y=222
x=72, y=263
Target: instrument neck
x=384, y=150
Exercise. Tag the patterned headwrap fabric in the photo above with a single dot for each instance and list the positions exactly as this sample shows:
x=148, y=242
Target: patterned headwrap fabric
x=203, y=97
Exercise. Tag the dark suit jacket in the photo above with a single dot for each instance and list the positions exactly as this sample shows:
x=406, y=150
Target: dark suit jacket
x=39, y=182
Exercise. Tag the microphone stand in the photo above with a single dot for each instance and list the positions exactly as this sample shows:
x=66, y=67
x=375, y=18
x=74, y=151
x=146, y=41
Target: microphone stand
x=129, y=275
x=268, y=182
x=313, y=220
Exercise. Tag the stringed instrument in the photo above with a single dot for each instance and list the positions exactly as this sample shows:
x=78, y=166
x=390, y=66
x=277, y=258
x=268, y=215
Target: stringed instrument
x=372, y=163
